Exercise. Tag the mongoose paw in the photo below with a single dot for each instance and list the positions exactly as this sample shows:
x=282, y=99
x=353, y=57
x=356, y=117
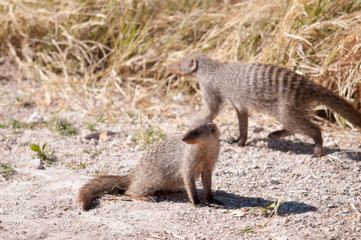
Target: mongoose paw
x=196, y=202
x=279, y=134
x=215, y=201
x=202, y=204
x=274, y=135
x=240, y=142
x=145, y=198
x=318, y=152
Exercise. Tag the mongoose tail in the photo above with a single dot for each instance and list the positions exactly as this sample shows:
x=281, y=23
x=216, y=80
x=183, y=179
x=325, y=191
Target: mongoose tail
x=99, y=186
x=339, y=105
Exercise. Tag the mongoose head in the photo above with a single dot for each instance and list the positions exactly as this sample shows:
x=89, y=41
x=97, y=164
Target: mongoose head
x=201, y=130
x=186, y=66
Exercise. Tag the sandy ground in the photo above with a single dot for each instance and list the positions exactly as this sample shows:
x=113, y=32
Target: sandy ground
x=320, y=196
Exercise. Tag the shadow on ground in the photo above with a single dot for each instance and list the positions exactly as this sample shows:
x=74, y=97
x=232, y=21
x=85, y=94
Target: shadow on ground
x=233, y=201
x=296, y=147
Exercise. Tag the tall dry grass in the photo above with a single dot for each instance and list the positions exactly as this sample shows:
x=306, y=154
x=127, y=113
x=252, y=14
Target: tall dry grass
x=112, y=55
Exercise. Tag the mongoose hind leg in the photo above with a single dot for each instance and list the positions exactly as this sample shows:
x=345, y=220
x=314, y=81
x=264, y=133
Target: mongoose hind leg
x=243, y=127
x=308, y=128
x=279, y=134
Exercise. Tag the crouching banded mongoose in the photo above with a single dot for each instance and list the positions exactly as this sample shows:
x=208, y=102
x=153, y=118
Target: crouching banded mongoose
x=170, y=166
x=284, y=94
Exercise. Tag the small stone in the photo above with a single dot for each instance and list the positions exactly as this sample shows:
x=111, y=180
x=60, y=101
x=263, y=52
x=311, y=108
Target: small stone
x=35, y=117
x=37, y=164
x=297, y=221
x=333, y=237
x=326, y=197
x=240, y=212
x=258, y=129
x=312, y=225
x=332, y=206
x=274, y=181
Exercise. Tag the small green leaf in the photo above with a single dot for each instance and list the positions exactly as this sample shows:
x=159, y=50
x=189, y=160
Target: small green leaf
x=44, y=146
x=35, y=147
x=271, y=205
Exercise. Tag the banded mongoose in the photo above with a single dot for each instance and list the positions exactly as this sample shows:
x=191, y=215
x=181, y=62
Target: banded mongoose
x=169, y=166
x=282, y=93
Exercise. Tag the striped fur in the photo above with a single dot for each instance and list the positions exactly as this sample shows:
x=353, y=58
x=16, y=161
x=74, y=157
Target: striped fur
x=282, y=93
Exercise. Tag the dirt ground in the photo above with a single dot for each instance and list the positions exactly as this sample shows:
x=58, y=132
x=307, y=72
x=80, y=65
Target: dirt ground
x=320, y=196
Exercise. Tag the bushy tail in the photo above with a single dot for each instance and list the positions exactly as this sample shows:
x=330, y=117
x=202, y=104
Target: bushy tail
x=339, y=105
x=101, y=185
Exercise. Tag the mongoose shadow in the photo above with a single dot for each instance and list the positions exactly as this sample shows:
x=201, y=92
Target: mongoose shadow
x=285, y=145
x=234, y=201
x=297, y=147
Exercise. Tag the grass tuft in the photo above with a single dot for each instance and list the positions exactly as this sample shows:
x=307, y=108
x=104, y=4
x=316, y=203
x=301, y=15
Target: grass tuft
x=104, y=57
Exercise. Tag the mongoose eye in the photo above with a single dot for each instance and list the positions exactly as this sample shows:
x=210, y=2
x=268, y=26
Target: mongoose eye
x=196, y=132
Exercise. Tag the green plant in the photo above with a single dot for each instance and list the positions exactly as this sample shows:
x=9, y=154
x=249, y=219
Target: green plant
x=150, y=135
x=15, y=124
x=42, y=153
x=263, y=210
x=81, y=165
x=65, y=128
x=6, y=170
x=94, y=152
x=247, y=230
x=91, y=126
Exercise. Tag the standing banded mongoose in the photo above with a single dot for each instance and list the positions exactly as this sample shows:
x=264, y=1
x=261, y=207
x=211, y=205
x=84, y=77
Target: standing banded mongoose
x=169, y=166
x=282, y=93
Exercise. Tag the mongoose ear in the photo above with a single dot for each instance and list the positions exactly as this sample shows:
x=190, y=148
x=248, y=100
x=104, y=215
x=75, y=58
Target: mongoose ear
x=193, y=64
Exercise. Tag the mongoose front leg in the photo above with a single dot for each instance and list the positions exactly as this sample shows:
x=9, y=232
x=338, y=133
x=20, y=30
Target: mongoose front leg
x=190, y=185
x=211, y=105
x=206, y=176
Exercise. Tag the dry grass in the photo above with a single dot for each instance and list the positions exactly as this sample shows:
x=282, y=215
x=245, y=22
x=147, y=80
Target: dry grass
x=112, y=55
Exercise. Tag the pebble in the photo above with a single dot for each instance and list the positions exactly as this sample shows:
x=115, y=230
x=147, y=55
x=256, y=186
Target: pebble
x=37, y=164
x=333, y=237
x=275, y=181
x=35, y=117
x=332, y=206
